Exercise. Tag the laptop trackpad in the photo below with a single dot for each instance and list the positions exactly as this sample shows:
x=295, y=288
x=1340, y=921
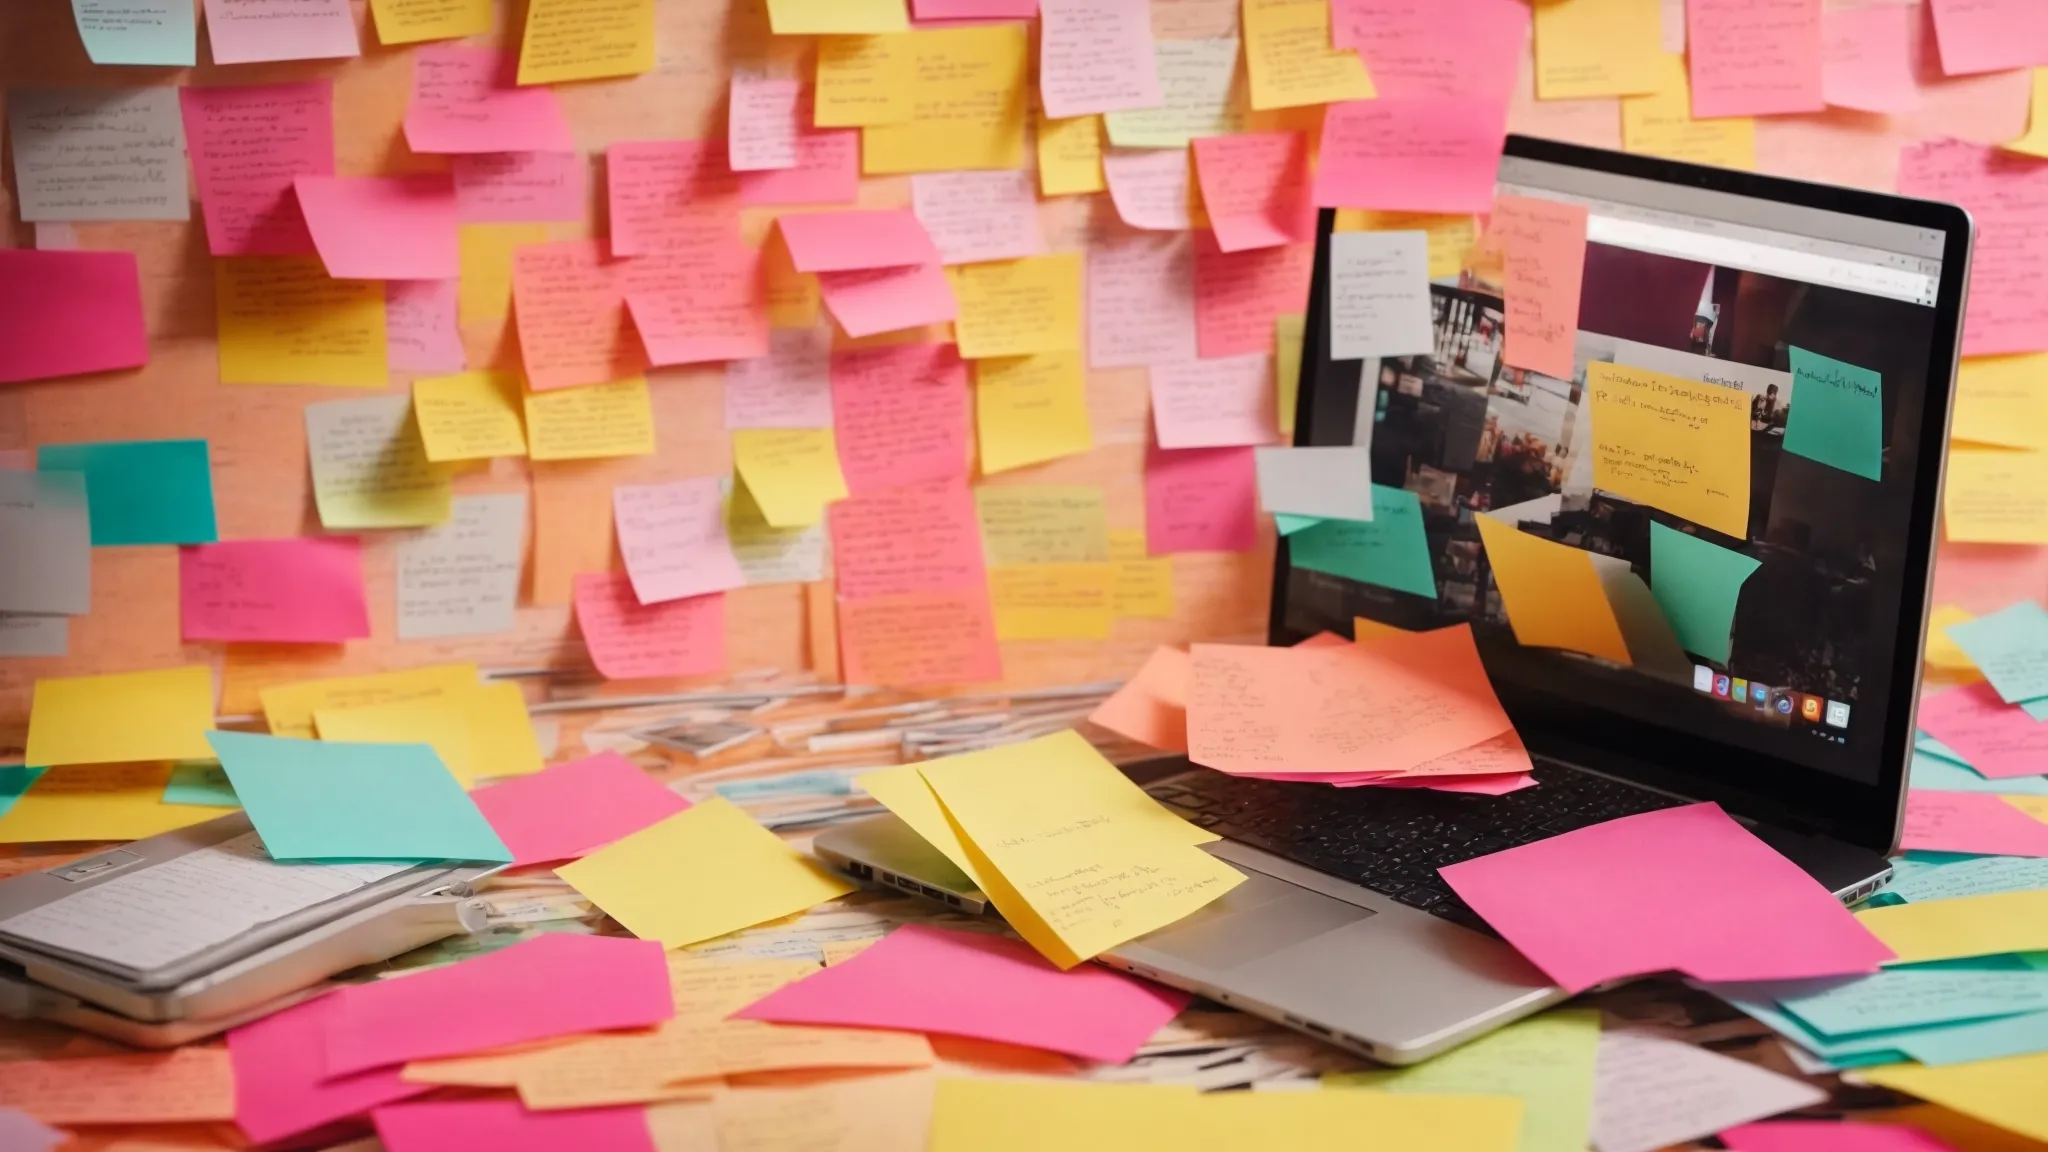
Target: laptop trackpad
x=1215, y=937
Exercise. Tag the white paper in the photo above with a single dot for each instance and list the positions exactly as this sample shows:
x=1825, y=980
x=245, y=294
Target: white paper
x=1379, y=295
x=45, y=543
x=34, y=635
x=1651, y=1092
x=1333, y=483
x=462, y=578
x=99, y=154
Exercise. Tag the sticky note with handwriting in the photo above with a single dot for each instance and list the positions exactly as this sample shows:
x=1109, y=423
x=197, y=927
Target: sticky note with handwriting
x=2010, y=647
x=1291, y=60
x=771, y=555
x=1991, y=496
x=98, y=154
x=1141, y=306
x=789, y=387
x=283, y=320
x=464, y=100
x=292, y=591
x=1545, y=246
x=469, y=416
x=248, y=143
x=1839, y=419
x=900, y=414
x=573, y=325
x=121, y=717
x=1451, y=235
x=461, y=578
x=1214, y=403
x=976, y=216
x=1240, y=295
x=141, y=491
x=1754, y=57
x=599, y=420
x=1144, y=585
x=1672, y=444
x=1978, y=823
x=1201, y=500
x=1019, y=307
x=1255, y=188
x=673, y=539
x=1095, y=56
x=410, y=21
x=969, y=104
x=628, y=640
x=1030, y=409
x=370, y=469
x=1651, y=1091
x=69, y=313
x=254, y=31
x=918, y=638
x=421, y=330
x=2004, y=192
x=586, y=40
x=159, y=32
x=917, y=539
x=1202, y=94
x=695, y=305
x=1432, y=154
x=790, y=473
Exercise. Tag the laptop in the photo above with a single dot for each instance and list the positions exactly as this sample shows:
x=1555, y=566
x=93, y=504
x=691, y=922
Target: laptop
x=1798, y=719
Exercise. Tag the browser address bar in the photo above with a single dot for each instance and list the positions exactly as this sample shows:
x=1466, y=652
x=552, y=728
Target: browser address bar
x=1771, y=260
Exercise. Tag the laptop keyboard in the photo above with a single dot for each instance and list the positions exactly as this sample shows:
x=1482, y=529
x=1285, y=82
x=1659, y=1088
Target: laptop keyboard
x=1393, y=840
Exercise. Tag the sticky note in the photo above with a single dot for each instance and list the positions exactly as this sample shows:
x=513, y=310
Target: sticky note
x=673, y=539
x=1967, y=926
x=248, y=143
x=408, y=22
x=586, y=40
x=385, y=228
x=1457, y=48
x=469, y=416
x=1697, y=469
x=1151, y=707
x=1214, y=403
x=1142, y=586
x=98, y=154
x=852, y=241
x=1141, y=306
x=865, y=80
x=461, y=578
x=1867, y=58
x=141, y=491
x=1030, y=409
x=93, y=802
x=571, y=809
x=641, y=880
x=1596, y=48
x=835, y=17
x=320, y=800
x=297, y=590
x=918, y=638
x=1307, y=484
x=69, y=314
x=1420, y=155
x=1998, y=402
x=1697, y=583
x=1043, y=523
x=1095, y=56
x=629, y=640
x=1652, y=1091
x=160, y=32
x=284, y=321
x=1290, y=60
x=1379, y=295
x=1753, y=58
x=901, y=415
x=791, y=473
x=1991, y=736
x=2007, y=309
x=2010, y=647
x=421, y=332
x=888, y=299
x=442, y=724
x=826, y=171
x=977, y=216
x=1201, y=500
x=1069, y=156
x=591, y=422
x=184, y=1085
x=573, y=324
x=1255, y=188
x=370, y=469
x=122, y=717
x=1552, y=593
x=250, y=33
x=1840, y=415
x=280, y=1071
x=1202, y=95
x=1389, y=550
x=1984, y=37
x=915, y=539
x=464, y=100
x=1239, y=296
x=444, y=1125
x=1978, y=823
x=1151, y=189
x=515, y=188
x=47, y=567
x=1662, y=123
x=1760, y=918
x=1995, y=497
x=968, y=104
x=690, y=307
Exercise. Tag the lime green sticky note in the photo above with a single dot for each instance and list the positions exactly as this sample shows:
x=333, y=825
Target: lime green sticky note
x=1389, y=550
x=1697, y=582
x=1837, y=414
x=141, y=491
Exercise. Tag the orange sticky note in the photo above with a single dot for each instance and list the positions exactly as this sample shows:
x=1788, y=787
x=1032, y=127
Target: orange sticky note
x=182, y=1085
x=1545, y=243
x=1553, y=596
x=1152, y=706
x=920, y=638
x=569, y=300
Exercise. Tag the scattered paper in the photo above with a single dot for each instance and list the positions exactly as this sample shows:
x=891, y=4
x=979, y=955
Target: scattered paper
x=447, y=1125
x=93, y=802
x=1979, y=823
x=289, y=708
x=2010, y=647
x=1996, y=739
x=1653, y=1091
x=572, y=809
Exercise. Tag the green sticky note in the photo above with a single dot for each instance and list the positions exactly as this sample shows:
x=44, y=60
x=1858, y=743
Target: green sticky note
x=2010, y=646
x=324, y=800
x=1389, y=550
x=149, y=32
x=141, y=491
x=200, y=782
x=1837, y=414
x=1288, y=523
x=1696, y=582
x=1917, y=997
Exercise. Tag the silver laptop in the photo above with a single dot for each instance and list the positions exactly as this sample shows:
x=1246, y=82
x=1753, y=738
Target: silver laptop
x=1798, y=720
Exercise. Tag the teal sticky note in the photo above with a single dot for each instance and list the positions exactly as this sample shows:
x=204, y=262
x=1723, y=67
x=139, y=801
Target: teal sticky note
x=1971, y=876
x=1984, y=1040
x=1390, y=550
x=1918, y=997
x=2010, y=646
x=1758, y=1002
x=1836, y=414
x=199, y=782
x=1928, y=745
x=150, y=32
x=1288, y=523
x=15, y=780
x=141, y=491
x=323, y=800
x=1697, y=582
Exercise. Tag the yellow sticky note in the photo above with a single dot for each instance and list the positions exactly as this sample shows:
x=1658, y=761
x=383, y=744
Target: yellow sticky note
x=989, y=1114
x=1289, y=330
x=1673, y=444
x=282, y=321
x=599, y=420
x=586, y=40
x=469, y=416
x=2005, y=1092
x=1290, y=61
x=791, y=473
x=872, y=1112
x=159, y=715
x=501, y=737
x=1052, y=601
x=1363, y=630
x=1597, y=48
x=793, y=296
x=442, y=723
x=1018, y=307
x=410, y=21
x=1942, y=652
x=968, y=104
x=1043, y=523
x=1450, y=237
x=1967, y=926
x=1144, y=583
x=289, y=708
x=1069, y=155
x=701, y=873
x=1038, y=815
x=863, y=80
x=836, y=17
x=1995, y=496
x=1552, y=593
x=1030, y=409
x=2034, y=142
x=1660, y=123
x=99, y=802
x=2003, y=401
x=370, y=467
x=484, y=289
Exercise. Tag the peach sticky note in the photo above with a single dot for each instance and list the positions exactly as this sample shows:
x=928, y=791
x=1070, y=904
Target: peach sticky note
x=673, y=539
x=1152, y=706
x=628, y=640
x=1255, y=188
x=573, y=326
x=852, y=241
x=248, y=143
x=383, y=228
x=1867, y=57
x=691, y=305
x=919, y=638
x=180, y=1086
x=900, y=412
x=1201, y=500
x=888, y=299
x=1432, y=154
x=1095, y=56
x=1215, y=403
x=303, y=590
x=669, y=193
x=466, y=100
x=592, y=422
x=921, y=539
x=571, y=809
x=1545, y=246
x=69, y=313
x=1754, y=57
x=1553, y=595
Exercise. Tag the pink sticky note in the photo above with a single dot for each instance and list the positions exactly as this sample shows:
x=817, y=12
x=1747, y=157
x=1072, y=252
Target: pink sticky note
x=974, y=9
x=1499, y=785
x=1988, y=35
x=1255, y=188
x=765, y=116
x=1425, y=155
x=1423, y=48
x=920, y=638
x=1829, y=1135
x=247, y=145
x=790, y=387
x=673, y=539
x=1096, y=56
x=1200, y=500
x=514, y=995
x=888, y=299
x=572, y=809
x=69, y=313
x=975, y=216
x=467, y=100
x=901, y=415
x=1215, y=403
x=520, y=187
x=1141, y=301
x=1978, y=823
x=253, y=31
x=2007, y=194
x=1754, y=57
x=420, y=330
x=1151, y=187
x=1999, y=740
x=692, y=305
x=628, y=640
x=1544, y=244
x=504, y=1126
x=383, y=228
x=1867, y=59
x=827, y=171
x=925, y=979
x=858, y=240
x=909, y=540
x=301, y=590
x=1586, y=906
x=282, y=1087
x=573, y=328
x=1238, y=294
x=667, y=193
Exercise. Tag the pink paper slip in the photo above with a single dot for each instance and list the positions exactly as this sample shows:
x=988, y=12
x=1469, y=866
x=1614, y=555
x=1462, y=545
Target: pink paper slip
x=248, y=144
x=1997, y=739
x=1431, y=155
x=855, y=241
x=421, y=333
x=1239, y=294
x=466, y=100
x=504, y=1126
x=920, y=638
x=790, y=387
x=1150, y=187
x=1215, y=403
x=1096, y=56
x=975, y=216
x=1975, y=823
x=670, y=193
x=282, y=1087
x=520, y=187
x=1200, y=500
x=552, y=985
x=1596, y=904
x=1544, y=242
x=303, y=590
x=571, y=307
x=1151, y=707
x=1988, y=35
x=888, y=299
x=1867, y=59
x=572, y=809
x=673, y=539
x=909, y=540
x=827, y=171
x=1141, y=300
x=2007, y=194
x=1255, y=188
x=766, y=116
x=628, y=640
x=1459, y=48
x=694, y=305
x=1754, y=57
x=69, y=313
x=383, y=228
x=254, y=31
x=900, y=412
x=925, y=979
x=1829, y=1135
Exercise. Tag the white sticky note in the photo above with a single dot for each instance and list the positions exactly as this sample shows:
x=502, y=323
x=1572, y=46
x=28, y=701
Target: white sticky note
x=1651, y=1092
x=1329, y=483
x=673, y=539
x=99, y=153
x=34, y=635
x=1379, y=295
x=45, y=543
x=461, y=578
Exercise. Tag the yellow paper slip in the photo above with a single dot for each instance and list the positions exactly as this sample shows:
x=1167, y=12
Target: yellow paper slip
x=1070, y=156
x=2004, y=1092
x=1018, y=307
x=699, y=874
x=864, y=80
x=1450, y=239
x=2002, y=401
x=1144, y=584
x=99, y=802
x=1030, y=409
x=591, y=422
x=1660, y=123
x=1597, y=48
x=1969, y=926
x=968, y=106
x=1552, y=593
x=586, y=40
x=469, y=416
x=1289, y=58
x=407, y=22
x=1055, y=828
x=1995, y=496
x=283, y=321
x=128, y=716
x=1672, y=444
x=442, y=724
x=791, y=473
x=289, y=708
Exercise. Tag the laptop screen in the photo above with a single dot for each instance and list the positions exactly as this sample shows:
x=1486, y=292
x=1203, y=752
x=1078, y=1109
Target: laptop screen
x=1614, y=559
